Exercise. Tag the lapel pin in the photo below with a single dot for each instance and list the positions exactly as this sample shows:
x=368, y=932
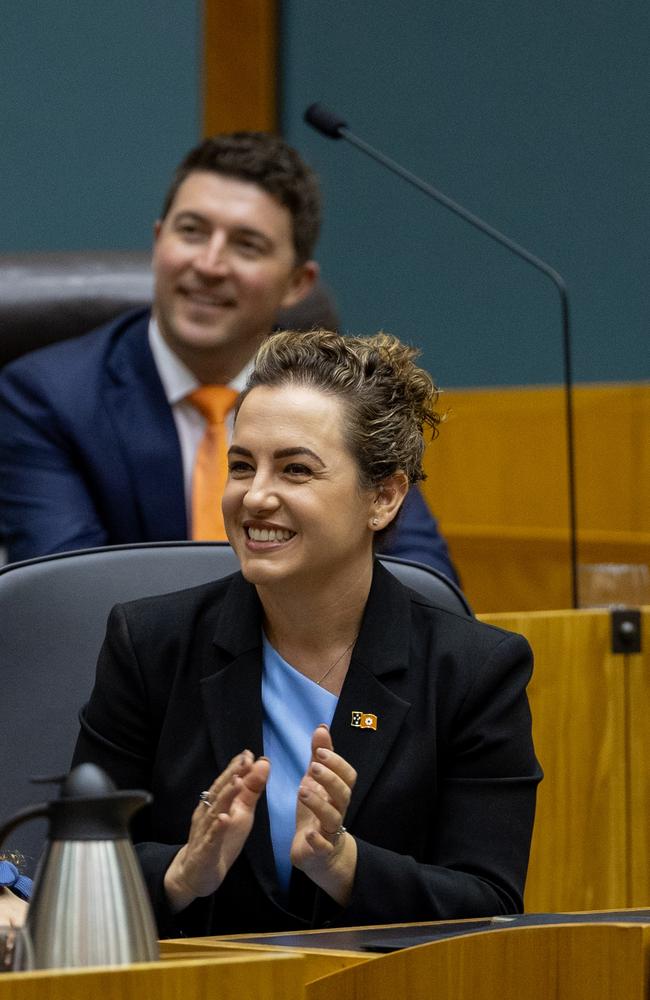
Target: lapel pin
x=364, y=720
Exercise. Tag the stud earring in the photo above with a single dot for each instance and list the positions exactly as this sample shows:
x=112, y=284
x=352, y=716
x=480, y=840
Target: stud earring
x=375, y=522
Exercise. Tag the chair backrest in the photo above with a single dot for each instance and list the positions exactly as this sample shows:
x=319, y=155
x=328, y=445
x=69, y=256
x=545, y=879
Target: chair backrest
x=47, y=297
x=53, y=612
x=429, y=582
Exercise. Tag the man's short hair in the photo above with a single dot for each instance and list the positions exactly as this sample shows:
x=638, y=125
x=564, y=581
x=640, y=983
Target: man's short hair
x=267, y=161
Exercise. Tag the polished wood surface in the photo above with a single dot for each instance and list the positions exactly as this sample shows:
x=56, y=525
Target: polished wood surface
x=497, y=481
x=596, y=957
x=317, y=962
x=233, y=977
x=240, y=65
x=575, y=962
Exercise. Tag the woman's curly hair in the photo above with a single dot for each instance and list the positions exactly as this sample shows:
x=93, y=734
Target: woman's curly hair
x=389, y=400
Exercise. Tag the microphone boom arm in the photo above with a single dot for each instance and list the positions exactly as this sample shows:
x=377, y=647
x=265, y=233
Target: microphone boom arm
x=335, y=128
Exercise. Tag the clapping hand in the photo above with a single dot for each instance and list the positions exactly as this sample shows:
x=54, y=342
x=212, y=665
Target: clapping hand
x=321, y=847
x=220, y=826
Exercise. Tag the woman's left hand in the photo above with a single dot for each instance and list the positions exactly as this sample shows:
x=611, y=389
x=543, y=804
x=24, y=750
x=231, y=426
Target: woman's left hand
x=321, y=848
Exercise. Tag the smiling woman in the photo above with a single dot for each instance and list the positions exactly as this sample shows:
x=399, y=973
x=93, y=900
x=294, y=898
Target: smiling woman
x=294, y=507
x=387, y=742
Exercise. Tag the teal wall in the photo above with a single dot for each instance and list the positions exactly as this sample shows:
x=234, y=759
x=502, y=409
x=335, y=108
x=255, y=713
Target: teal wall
x=98, y=103
x=532, y=113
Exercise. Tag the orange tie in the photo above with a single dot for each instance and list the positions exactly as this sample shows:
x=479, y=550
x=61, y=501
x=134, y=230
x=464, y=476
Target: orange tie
x=211, y=465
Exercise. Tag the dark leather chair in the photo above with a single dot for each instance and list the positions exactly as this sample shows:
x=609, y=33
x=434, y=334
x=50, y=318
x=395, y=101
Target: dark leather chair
x=46, y=297
x=54, y=611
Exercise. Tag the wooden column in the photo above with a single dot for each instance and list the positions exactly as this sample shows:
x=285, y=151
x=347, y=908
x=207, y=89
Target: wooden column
x=240, y=72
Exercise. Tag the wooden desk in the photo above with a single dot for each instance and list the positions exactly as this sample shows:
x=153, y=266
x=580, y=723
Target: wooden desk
x=583, y=962
x=594, y=957
x=598, y=956
x=219, y=975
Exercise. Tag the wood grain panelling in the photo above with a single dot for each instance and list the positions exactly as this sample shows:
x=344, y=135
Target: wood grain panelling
x=579, y=857
x=256, y=977
x=240, y=88
x=574, y=962
x=638, y=756
x=497, y=482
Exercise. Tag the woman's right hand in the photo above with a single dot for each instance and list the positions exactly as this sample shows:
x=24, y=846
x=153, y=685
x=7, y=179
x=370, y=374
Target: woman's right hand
x=218, y=831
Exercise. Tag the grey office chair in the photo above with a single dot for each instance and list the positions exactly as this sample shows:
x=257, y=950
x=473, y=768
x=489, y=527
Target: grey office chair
x=53, y=612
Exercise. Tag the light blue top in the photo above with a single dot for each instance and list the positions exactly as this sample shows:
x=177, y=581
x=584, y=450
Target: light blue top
x=293, y=706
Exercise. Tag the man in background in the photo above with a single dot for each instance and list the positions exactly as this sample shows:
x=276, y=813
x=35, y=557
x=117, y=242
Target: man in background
x=119, y=436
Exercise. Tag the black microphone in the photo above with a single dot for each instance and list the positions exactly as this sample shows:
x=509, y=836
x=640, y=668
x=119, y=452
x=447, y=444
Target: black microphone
x=325, y=121
x=334, y=127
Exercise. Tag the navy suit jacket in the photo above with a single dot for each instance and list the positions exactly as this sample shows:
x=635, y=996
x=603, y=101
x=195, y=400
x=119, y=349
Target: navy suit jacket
x=89, y=453
x=443, y=806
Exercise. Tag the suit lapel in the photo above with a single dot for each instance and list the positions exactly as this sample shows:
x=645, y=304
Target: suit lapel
x=142, y=418
x=366, y=749
x=380, y=656
x=232, y=703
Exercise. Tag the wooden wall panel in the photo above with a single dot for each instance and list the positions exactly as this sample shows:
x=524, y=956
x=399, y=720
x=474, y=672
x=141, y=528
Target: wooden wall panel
x=510, y=568
x=580, y=852
x=240, y=89
x=497, y=482
x=638, y=763
x=501, y=459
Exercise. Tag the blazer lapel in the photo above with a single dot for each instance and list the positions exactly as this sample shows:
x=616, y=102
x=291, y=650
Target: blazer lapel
x=232, y=702
x=381, y=653
x=142, y=418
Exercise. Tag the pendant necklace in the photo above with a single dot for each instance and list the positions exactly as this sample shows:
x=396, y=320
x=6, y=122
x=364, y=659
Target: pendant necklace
x=337, y=661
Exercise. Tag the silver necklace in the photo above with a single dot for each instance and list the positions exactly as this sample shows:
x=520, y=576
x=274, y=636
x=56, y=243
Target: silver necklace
x=336, y=661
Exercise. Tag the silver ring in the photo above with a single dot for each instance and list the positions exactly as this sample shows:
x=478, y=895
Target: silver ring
x=205, y=799
x=339, y=833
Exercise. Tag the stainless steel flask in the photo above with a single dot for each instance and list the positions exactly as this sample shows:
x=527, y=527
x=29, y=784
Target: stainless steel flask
x=89, y=905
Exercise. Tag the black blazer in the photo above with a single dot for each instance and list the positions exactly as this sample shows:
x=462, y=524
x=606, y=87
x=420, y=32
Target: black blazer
x=444, y=802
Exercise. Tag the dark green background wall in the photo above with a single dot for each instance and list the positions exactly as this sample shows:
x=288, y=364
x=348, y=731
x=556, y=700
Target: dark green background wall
x=533, y=114
x=98, y=103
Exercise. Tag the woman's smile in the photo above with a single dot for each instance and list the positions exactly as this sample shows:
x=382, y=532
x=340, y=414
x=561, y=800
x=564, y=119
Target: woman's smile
x=265, y=534
x=293, y=506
